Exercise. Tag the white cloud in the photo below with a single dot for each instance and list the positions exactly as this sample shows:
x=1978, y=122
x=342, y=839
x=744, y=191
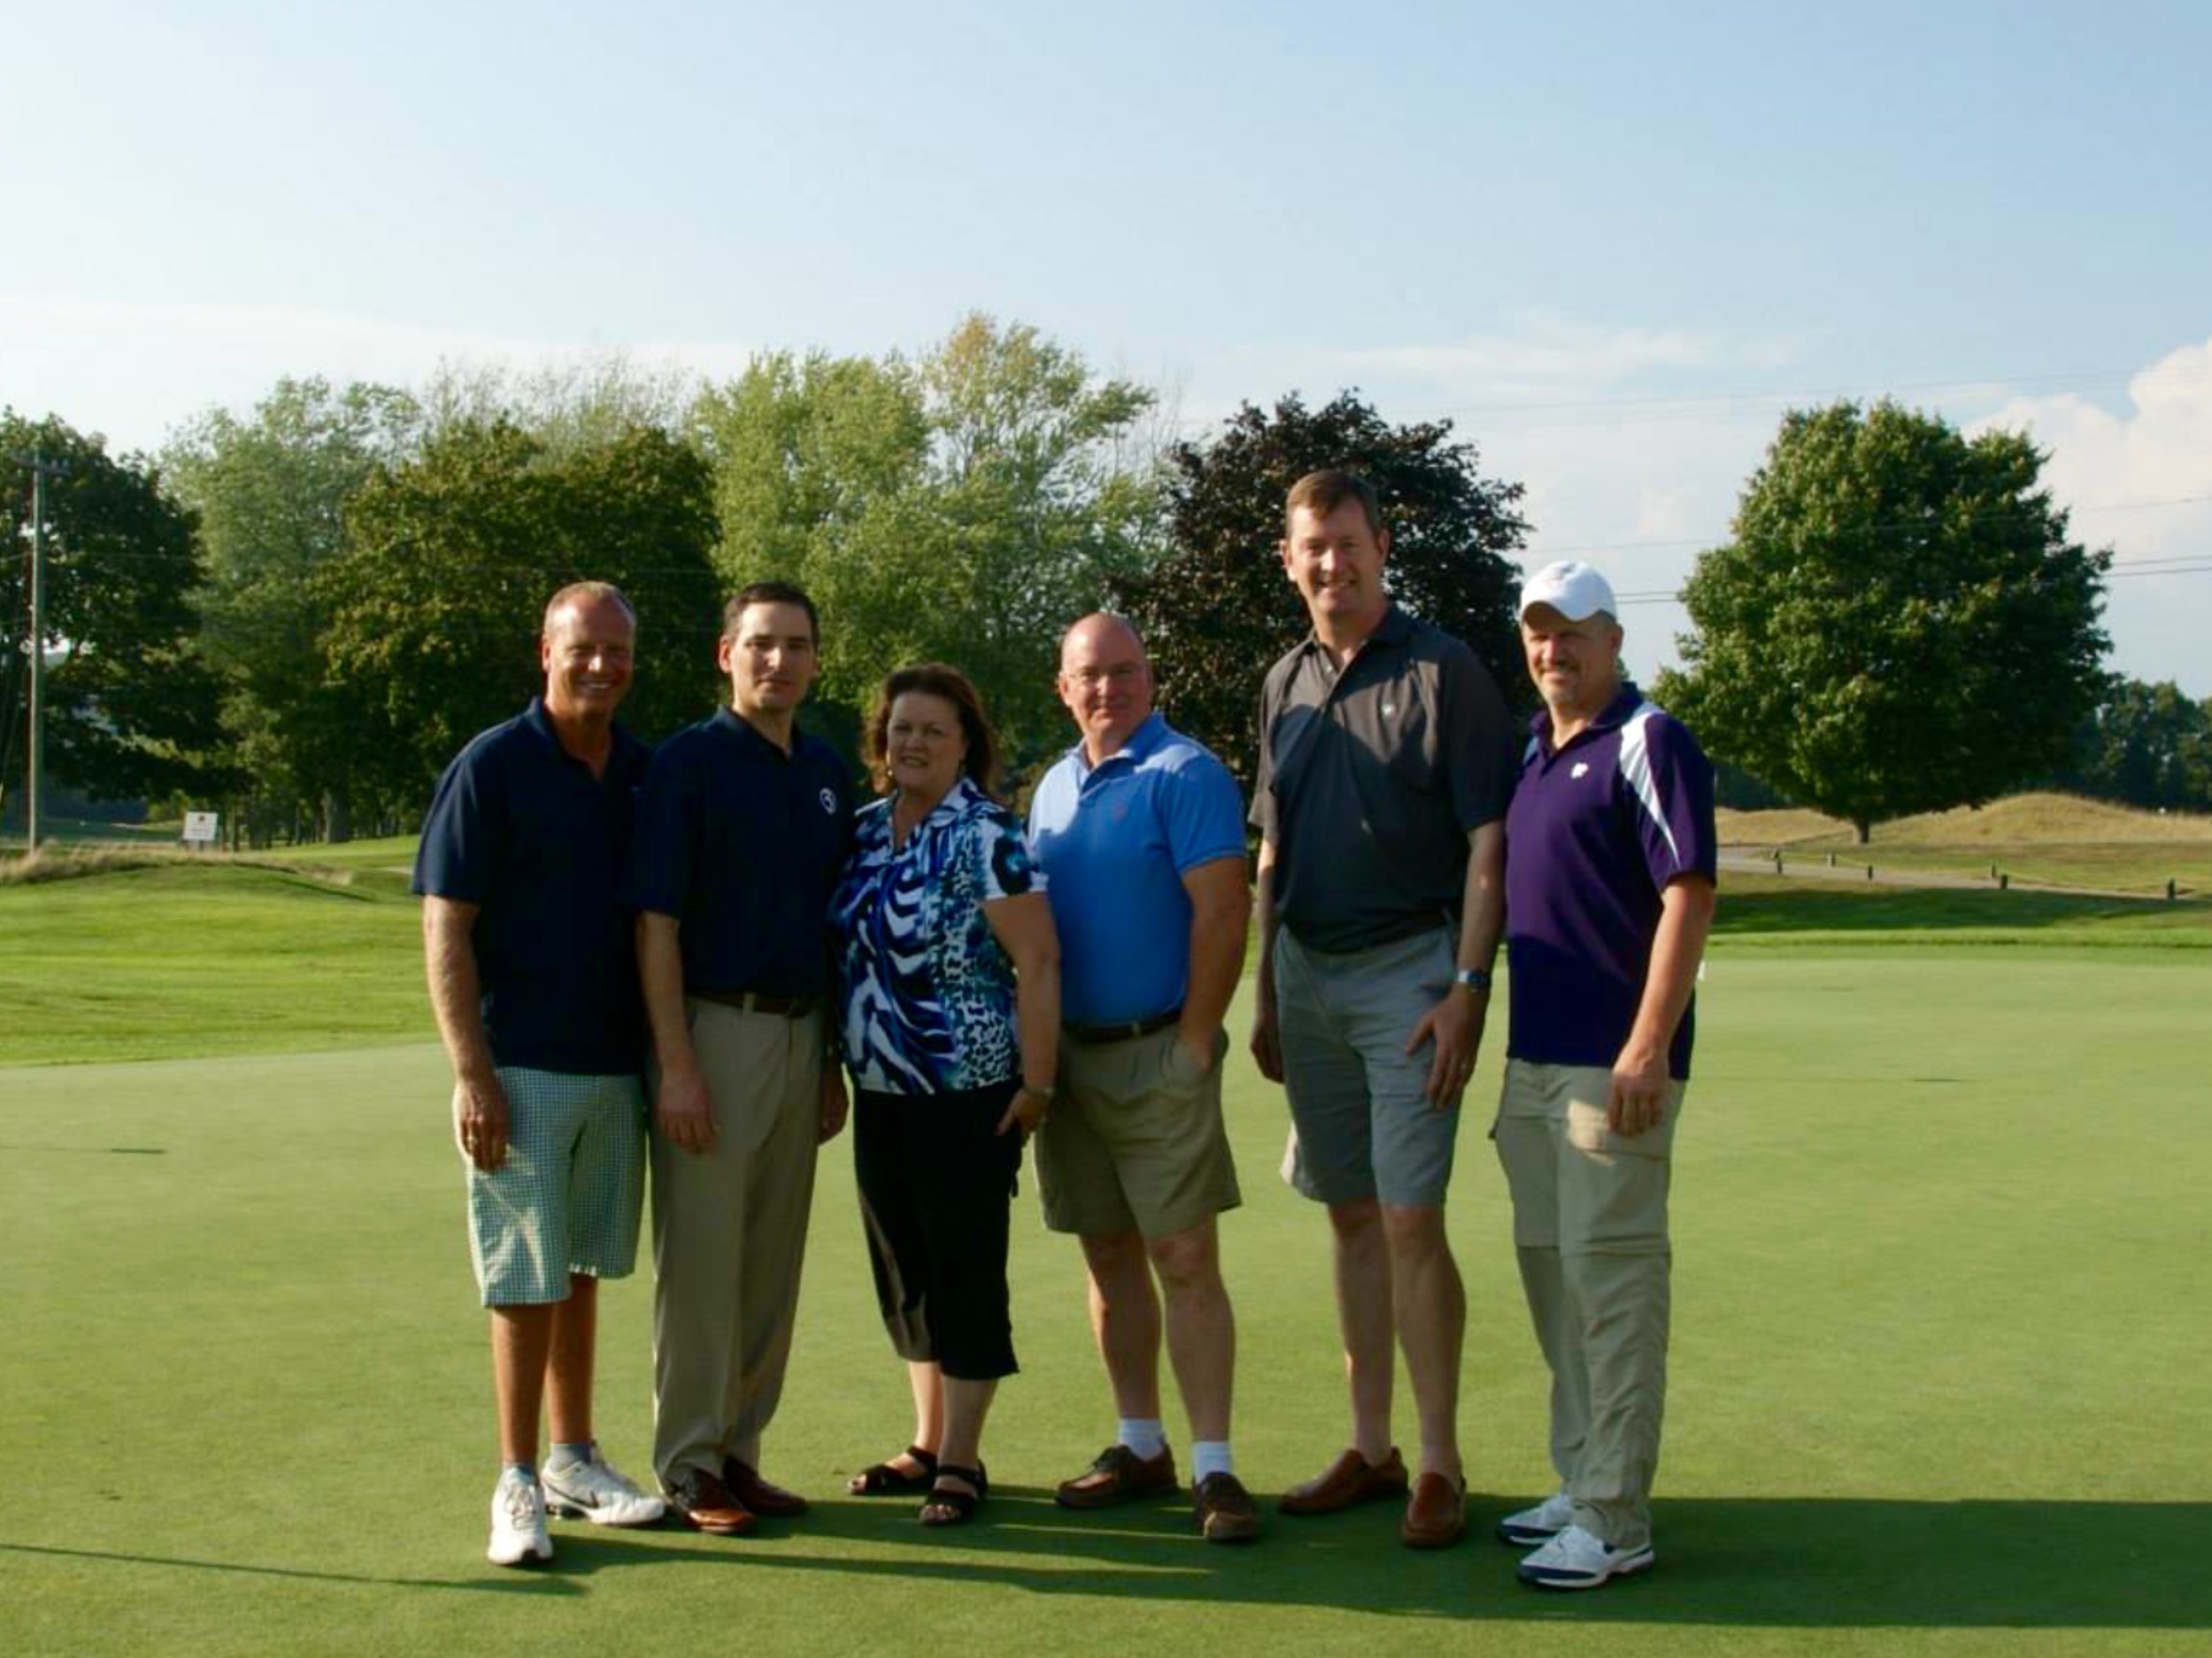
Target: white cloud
x=2139, y=482
x=137, y=371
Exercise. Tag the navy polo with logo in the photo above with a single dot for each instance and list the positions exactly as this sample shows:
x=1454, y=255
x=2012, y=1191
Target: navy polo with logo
x=743, y=844
x=1598, y=830
x=522, y=829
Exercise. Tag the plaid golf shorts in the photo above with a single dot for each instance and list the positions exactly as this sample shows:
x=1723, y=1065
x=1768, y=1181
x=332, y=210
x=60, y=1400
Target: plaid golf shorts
x=570, y=1194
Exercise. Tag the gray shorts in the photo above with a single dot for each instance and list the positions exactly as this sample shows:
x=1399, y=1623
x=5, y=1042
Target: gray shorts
x=569, y=1196
x=1361, y=1127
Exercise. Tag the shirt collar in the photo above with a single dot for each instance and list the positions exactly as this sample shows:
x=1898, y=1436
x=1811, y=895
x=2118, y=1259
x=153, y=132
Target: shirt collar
x=1147, y=737
x=1625, y=702
x=1395, y=629
x=539, y=720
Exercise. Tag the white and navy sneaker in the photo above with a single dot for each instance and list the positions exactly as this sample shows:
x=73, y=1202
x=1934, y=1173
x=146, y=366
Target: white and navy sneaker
x=1531, y=1526
x=599, y=1491
x=1576, y=1560
x=518, y=1522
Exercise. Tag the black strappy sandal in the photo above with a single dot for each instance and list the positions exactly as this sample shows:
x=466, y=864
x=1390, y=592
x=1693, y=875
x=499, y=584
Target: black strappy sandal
x=948, y=1506
x=882, y=1479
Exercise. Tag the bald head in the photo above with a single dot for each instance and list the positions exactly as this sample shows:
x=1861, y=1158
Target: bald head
x=1085, y=633
x=1105, y=682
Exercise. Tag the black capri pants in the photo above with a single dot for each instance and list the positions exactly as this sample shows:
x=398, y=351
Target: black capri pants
x=936, y=1187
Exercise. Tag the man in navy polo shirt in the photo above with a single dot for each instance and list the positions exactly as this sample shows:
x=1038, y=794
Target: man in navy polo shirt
x=1610, y=878
x=744, y=827
x=533, y=981
x=1385, y=763
x=1139, y=831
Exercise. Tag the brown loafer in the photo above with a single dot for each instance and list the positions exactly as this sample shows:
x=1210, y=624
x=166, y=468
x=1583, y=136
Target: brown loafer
x=1118, y=1476
x=756, y=1494
x=1350, y=1480
x=702, y=1502
x=1437, y=1516
x=1225, y=1511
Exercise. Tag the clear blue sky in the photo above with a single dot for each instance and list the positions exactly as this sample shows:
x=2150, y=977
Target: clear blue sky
x=1614, y=242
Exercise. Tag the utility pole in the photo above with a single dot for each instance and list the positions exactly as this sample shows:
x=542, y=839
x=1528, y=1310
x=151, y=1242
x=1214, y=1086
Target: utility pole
x=41, y=470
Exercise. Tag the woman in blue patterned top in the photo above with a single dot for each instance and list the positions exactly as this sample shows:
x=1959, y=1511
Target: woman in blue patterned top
x=951, y=1020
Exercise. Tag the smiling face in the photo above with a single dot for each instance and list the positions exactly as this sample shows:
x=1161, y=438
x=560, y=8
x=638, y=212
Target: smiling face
x=1105, y=683
x=924, y=746
x=586, y=652
x=1335, y=560
x=770, y=660
x=1576, y=665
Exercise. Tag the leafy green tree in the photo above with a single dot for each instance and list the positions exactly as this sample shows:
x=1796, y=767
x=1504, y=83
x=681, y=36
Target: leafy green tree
x=965, y=505
x=820, y=477
x=271, y=491
x=130, y=707
x=1218, y=609
x=451, y=555
x=1900, y=623
x=2146, y=745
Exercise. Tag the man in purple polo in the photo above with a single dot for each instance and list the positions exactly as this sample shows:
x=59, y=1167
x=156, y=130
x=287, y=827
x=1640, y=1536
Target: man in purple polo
x=1609, y=880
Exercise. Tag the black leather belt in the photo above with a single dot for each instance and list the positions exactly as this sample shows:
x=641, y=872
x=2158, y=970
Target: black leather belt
x=1094, y=1035
x=760, y=1001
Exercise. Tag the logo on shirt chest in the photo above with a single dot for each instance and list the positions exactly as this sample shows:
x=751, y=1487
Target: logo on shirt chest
x=829, y=802
x=1581, y=769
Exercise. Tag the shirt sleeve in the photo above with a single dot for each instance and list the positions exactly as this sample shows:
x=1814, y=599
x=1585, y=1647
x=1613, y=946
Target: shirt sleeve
x=464, y=835
x=1262, y=815
x=665, y=844
x=1675, y=789
x=1008, y=870
x=1483, y=756
x=1201, y=813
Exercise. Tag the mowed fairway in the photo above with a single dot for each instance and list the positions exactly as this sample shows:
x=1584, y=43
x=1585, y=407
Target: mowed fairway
x=1943, y=1256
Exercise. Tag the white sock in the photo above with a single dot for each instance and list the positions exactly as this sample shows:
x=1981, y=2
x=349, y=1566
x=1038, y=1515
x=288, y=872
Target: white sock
x=1144, y=1435
x=1210, y=1456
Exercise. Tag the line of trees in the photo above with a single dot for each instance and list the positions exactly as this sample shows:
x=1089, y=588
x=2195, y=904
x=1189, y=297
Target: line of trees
x=297, y=614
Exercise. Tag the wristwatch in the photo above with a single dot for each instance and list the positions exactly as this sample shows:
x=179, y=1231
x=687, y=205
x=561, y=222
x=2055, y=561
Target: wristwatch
x=1476, y=979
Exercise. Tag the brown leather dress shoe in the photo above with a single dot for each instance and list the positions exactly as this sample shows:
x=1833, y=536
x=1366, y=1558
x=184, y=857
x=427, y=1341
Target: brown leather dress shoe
x=771, y=1502
x=1118, y=1476
x=1226, y=1513
x=1437, y=1516
x=1350, y=1480
x=700, y=1500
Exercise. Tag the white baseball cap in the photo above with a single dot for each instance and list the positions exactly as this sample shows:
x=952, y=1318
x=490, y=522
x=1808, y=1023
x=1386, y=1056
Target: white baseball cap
x=1572, y=588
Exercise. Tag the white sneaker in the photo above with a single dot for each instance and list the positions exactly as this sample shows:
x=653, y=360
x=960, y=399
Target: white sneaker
x=598, y=1492
x=518, y=1522
x=1531, y=1526
x=1576, y=1560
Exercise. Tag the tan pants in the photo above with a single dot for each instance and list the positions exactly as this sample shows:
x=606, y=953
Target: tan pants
x=729, y=1237
x=1590, y=1229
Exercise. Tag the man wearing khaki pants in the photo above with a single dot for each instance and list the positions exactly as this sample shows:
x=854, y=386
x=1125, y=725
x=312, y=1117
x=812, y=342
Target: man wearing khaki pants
x=1609, y=871
x=742, y=831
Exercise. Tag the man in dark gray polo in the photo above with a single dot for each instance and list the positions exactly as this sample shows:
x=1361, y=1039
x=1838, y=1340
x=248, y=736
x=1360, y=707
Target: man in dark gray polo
x=1386, y=767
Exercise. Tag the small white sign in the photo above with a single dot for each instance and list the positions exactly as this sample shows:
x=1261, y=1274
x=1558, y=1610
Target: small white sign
x=203, y=828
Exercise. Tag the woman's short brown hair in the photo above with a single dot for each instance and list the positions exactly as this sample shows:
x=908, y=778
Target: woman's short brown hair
x=940, y=679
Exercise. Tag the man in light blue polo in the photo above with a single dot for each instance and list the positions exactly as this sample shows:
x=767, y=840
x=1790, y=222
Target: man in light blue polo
x=1139, y=831
x=1609, y=877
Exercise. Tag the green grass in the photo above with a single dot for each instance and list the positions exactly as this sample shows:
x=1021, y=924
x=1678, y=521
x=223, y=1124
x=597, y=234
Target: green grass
x=1763, y=911
x=206, y=957
x=1936, y=1380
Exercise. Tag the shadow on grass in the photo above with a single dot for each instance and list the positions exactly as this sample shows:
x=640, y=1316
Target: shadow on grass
x=1890, y=909
x=1791, y=1563
x=526, y=1582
